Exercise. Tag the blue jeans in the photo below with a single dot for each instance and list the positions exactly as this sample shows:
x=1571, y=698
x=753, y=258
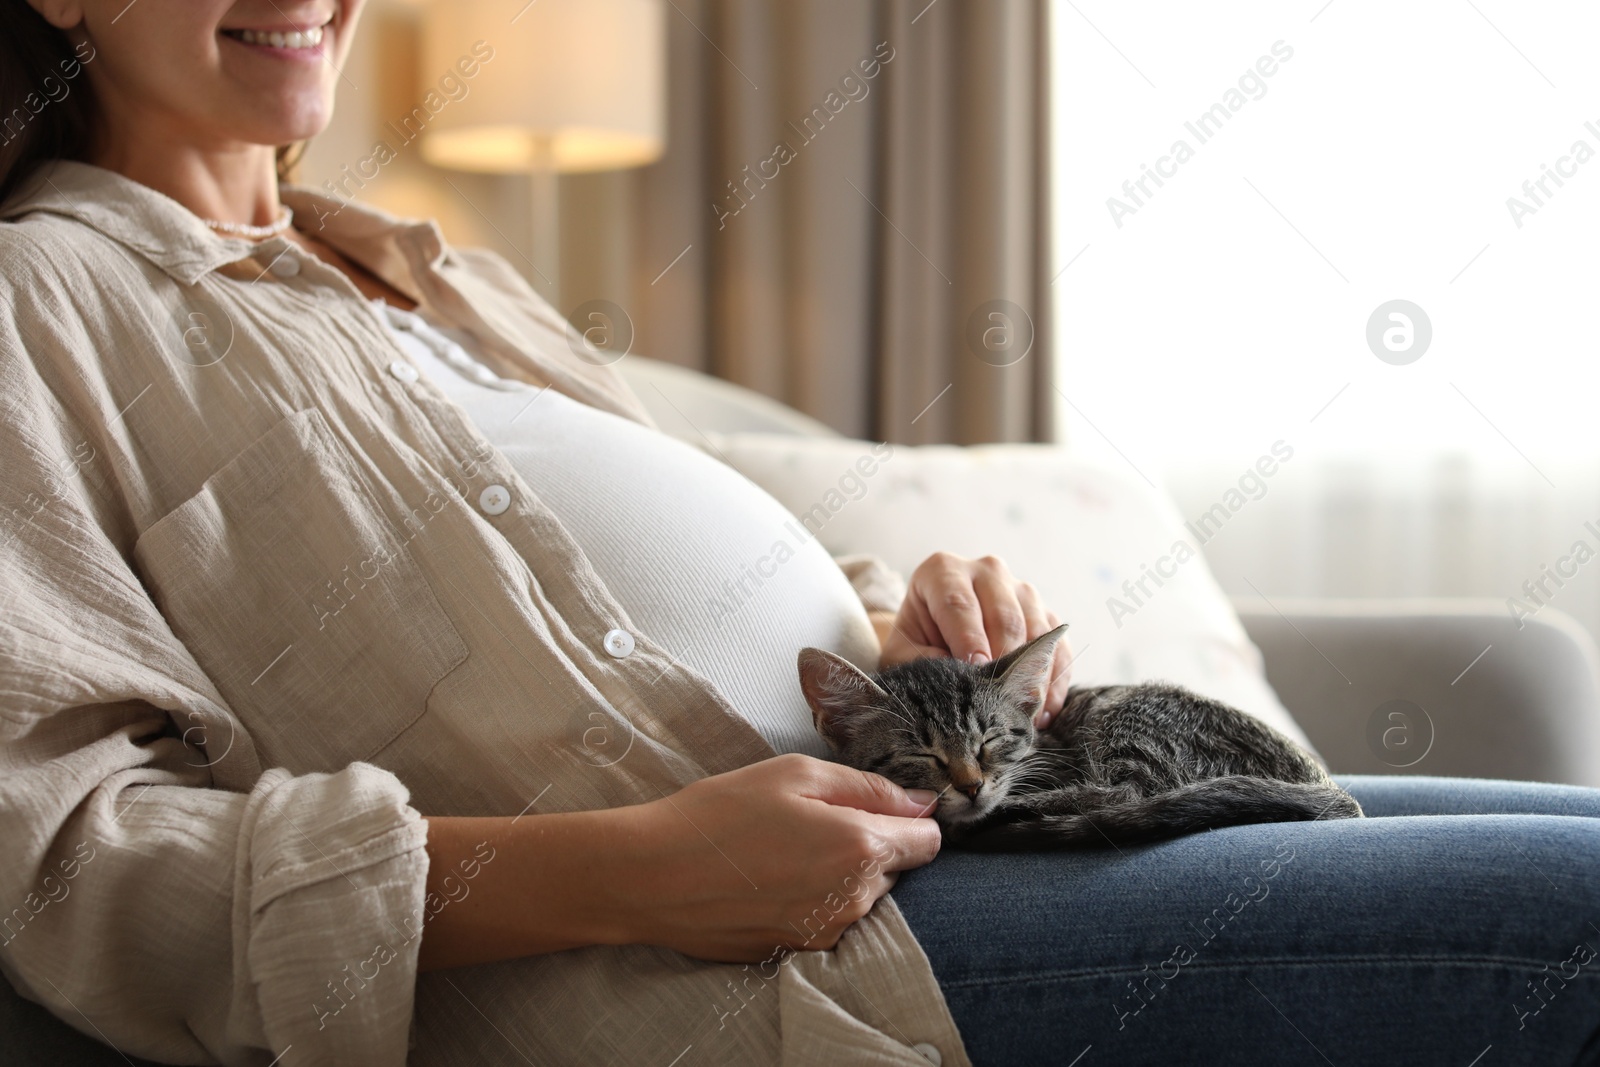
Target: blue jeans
x=1459, y=924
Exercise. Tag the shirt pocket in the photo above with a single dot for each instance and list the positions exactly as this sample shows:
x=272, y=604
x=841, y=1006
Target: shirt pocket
x=292, y=591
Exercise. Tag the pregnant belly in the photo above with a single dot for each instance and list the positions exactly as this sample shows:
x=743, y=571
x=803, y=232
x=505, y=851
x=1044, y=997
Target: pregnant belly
x=702, y=560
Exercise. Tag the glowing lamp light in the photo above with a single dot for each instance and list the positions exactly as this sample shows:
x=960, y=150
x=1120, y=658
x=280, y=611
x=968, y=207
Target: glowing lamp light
x=572, y=85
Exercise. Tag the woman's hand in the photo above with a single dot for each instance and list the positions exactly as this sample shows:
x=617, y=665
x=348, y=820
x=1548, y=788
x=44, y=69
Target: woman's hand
x=783, y=853
x=975, y=610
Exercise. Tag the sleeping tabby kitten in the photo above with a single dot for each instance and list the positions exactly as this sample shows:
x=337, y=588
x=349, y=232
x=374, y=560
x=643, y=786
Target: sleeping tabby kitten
x=1121, y=763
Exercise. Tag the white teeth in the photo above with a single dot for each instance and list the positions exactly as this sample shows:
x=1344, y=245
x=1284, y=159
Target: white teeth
x=276, y=39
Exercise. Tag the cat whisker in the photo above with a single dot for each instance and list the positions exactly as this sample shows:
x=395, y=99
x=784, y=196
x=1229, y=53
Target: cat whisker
x=934, y=803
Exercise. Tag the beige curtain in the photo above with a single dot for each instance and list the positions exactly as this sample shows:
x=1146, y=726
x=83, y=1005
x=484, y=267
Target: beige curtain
x=851, y=217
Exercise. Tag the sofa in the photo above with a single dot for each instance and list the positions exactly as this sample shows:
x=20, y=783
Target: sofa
x=1439, y=687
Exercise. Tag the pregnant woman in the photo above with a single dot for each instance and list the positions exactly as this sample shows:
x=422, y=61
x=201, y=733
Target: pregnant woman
x=360, y=705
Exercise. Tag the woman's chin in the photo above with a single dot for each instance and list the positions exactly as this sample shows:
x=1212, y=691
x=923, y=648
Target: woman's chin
x=280, y=119
x=288, y=103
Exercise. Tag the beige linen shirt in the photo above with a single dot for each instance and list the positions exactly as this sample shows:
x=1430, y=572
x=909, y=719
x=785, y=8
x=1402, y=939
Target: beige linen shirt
x=260, y=618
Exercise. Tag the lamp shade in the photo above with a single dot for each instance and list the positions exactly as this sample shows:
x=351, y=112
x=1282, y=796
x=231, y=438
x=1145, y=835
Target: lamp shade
x=567, y=85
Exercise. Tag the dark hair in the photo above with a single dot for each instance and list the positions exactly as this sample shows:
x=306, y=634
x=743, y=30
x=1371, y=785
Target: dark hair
x=36, y=125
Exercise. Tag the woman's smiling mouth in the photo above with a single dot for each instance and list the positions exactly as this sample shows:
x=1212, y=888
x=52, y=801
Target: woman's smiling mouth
x=287, y=40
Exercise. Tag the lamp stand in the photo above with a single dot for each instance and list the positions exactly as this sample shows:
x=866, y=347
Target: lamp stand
x=545, y=218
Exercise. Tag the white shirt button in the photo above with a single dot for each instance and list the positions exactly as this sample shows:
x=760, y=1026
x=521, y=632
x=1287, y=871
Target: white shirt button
x=287, y=265
x=619, y=643
x=928, y=1052
x=494, y=500
x=404, y=371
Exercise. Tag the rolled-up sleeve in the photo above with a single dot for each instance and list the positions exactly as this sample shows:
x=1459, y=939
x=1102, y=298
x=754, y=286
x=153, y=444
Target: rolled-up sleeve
x=160, y=891
x=196, y=925
x=879, y=588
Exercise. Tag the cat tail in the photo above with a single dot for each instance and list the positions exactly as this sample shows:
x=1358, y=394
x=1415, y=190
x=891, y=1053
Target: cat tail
x=1089, y=816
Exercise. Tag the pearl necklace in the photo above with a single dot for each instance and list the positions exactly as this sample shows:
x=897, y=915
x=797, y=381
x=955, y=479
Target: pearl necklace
x=254, y=233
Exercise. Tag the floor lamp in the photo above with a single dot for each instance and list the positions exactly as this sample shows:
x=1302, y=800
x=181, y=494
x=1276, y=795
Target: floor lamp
x=544, y=88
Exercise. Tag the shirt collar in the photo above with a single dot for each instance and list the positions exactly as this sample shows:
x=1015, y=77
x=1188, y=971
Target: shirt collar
x=173, y=238
x=393, y=248
x=152, y=224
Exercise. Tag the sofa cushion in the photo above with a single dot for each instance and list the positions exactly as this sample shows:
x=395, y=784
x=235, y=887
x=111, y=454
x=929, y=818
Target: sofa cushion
x=1108, y=553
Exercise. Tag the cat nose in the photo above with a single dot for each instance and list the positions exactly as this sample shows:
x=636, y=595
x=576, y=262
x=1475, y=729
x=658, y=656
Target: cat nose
x=970, y=788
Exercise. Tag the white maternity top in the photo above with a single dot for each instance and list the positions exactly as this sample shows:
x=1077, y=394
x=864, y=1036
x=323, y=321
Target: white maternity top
x=707, y=564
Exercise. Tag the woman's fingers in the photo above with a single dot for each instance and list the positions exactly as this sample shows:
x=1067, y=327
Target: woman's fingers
x=834, y=783
x=1033, y=610
x=912, y=842
x=898, y=817
x=945, y=585
x=907, y=633
x=1005, y=621
x=910, y=635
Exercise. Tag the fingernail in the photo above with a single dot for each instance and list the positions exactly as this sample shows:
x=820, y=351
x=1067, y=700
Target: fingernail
x=1044, y=719
x=922, y=798
x=978, y=658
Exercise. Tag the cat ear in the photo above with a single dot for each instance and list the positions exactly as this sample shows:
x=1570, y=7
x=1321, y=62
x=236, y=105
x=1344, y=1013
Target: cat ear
x=1024, y=674
x=839, y=693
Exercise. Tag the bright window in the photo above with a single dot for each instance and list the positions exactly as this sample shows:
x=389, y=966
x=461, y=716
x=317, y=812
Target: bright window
x=1321, y=160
